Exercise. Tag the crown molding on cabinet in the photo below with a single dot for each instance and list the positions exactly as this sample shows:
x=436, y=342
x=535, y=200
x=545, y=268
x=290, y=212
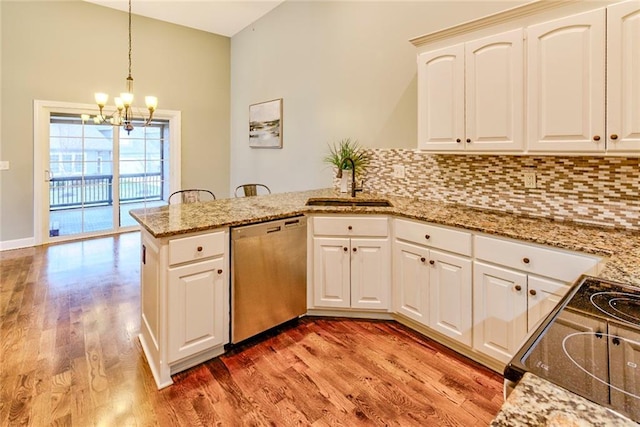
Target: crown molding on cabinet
x=517, y=12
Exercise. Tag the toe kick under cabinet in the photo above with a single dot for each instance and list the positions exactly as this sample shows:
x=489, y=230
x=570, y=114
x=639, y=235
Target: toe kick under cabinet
x=184, y=301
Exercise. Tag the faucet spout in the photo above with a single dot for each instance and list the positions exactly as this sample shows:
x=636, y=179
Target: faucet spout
x=353, y=175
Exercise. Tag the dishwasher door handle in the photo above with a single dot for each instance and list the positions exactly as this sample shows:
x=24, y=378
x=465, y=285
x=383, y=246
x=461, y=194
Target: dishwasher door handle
x=274, y=229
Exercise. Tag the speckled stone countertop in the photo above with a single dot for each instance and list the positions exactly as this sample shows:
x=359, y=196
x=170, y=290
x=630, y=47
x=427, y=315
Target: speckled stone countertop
x=622, y=248
x=537, y=402
x=534, y=402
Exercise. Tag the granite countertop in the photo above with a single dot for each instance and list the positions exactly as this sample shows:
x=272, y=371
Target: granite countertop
x=534, y=402
x=620, y=247
x=537, y=402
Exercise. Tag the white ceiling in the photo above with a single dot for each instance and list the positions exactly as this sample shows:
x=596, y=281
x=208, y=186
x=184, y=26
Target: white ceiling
x=224, y=17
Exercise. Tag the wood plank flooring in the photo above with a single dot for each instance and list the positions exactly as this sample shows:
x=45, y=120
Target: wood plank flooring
x=69, y=356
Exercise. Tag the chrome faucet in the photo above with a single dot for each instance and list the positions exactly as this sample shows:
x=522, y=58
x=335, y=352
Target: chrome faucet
x=353, y=176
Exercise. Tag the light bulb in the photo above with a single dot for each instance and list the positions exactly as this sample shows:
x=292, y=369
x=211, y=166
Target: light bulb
x=84, y=117
x=119, y=103
x=152, y=102
x=101, y=99
x=127, y=99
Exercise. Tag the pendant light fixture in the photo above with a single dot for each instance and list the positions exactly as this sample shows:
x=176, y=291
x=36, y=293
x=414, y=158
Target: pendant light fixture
x=123, y=116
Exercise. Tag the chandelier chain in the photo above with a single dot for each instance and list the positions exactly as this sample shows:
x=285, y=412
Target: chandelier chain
x=129, y=38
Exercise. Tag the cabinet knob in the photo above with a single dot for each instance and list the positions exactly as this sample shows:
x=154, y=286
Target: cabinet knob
x=349, y=228
x=355, y=249
x=615, y=341
x=345, y=249
x=468, y=139
x=599, y=334
x=533, y=292
x=596, y=138
x=431, y=262
x=426, y=236
x=423, y=259
x=458, y=140
x=526, y=260
x=518, y=288
x=199, y=248
x=614, y=136
x=220, y=271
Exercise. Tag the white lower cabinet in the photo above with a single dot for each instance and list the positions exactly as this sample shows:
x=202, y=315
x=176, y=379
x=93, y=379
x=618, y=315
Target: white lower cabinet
x=196, y=299
x=433, y=287
x=184, y=301
x=352, y=270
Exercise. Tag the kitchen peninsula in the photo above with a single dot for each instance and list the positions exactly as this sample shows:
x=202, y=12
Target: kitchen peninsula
x=165, y=224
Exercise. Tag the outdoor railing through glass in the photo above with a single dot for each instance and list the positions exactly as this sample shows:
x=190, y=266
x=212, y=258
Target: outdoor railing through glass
x=66, y=192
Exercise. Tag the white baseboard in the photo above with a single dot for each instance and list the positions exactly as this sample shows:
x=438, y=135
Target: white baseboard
x=17, y=244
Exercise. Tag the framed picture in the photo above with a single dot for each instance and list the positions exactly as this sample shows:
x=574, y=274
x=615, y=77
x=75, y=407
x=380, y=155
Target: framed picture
x=265, y=124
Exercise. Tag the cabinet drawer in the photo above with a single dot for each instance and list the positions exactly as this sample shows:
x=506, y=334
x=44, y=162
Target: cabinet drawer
x=195, y=248
x=547, y=262
x=351, y=226
x=434, y=236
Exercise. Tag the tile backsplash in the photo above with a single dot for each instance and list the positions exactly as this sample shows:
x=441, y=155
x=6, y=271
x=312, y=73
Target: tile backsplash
x=602, y=191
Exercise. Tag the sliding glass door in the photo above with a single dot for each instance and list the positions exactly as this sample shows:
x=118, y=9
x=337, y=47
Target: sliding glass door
x=96, y=173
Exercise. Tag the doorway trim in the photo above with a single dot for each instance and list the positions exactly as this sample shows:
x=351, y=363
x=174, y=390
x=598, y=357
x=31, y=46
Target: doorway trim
x=42, y=111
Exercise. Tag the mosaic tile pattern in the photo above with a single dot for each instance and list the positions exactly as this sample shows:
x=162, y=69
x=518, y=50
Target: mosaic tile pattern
x=590, y=190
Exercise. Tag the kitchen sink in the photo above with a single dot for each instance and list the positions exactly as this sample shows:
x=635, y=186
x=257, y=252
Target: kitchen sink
x=348, y=202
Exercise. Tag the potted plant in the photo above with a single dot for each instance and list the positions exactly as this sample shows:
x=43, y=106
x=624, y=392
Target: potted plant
x=342, y=150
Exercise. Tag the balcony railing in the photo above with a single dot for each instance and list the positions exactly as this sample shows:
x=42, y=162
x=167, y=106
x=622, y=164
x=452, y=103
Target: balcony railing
x=95, y=190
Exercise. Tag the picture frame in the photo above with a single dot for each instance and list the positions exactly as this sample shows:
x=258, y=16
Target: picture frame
x=265, y=124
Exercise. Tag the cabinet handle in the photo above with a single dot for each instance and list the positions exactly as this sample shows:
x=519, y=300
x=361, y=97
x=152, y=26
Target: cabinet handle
x=431, y=262
x=355, y=249
x=458, y=140
x=199, y=248
x=596, y=138
x=349, y=228
x=533, y=292
x=220, y=271
x=518, y=288
x=426, y=236
x=423, y=259
x=468, y=139
x=345, y=249
x=614, y=136
x=526, y=260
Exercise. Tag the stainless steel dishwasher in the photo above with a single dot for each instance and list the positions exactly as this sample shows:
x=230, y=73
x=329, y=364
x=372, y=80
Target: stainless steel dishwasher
x=268, y=275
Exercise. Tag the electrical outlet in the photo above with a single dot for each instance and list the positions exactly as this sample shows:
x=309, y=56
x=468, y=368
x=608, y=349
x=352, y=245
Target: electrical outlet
x=398, y=171
x=529, y=180
x=4, y=166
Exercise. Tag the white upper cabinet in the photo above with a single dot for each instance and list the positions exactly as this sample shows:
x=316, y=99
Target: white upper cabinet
x=494, y=95
x=441, y=99
x=623, y=77
x=470, y=96
x=566, y=85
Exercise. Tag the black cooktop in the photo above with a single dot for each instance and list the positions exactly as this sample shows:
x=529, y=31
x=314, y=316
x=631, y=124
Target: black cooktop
x=590, y=345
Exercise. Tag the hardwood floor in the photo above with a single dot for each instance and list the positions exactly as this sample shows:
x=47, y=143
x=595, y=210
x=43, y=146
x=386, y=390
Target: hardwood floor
x=69, y=355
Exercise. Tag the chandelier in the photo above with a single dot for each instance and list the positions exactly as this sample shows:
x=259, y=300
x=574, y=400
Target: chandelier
x=123, y=115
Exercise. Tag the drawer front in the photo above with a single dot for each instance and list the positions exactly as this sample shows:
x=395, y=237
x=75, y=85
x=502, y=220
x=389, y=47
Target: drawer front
x=194, y=248
x=547, y=262
x=351, y=226
x=434, y=236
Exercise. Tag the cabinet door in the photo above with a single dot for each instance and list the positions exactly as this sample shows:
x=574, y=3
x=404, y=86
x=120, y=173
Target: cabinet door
x=543, y=295
x=441, y=99
x=411, y=281
x=624, y=365
x=370, y=273
x=623, y=77
x=499, y=311
x=566, y=84
x=196, y=308
x=494, y=74
x=331, y=272
x=450, y=296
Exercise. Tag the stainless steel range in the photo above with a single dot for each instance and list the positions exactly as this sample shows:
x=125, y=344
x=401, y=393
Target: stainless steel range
x=590, y=345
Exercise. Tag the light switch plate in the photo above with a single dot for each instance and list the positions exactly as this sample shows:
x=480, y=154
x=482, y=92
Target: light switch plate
x=4, y=165
x=398, y=171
